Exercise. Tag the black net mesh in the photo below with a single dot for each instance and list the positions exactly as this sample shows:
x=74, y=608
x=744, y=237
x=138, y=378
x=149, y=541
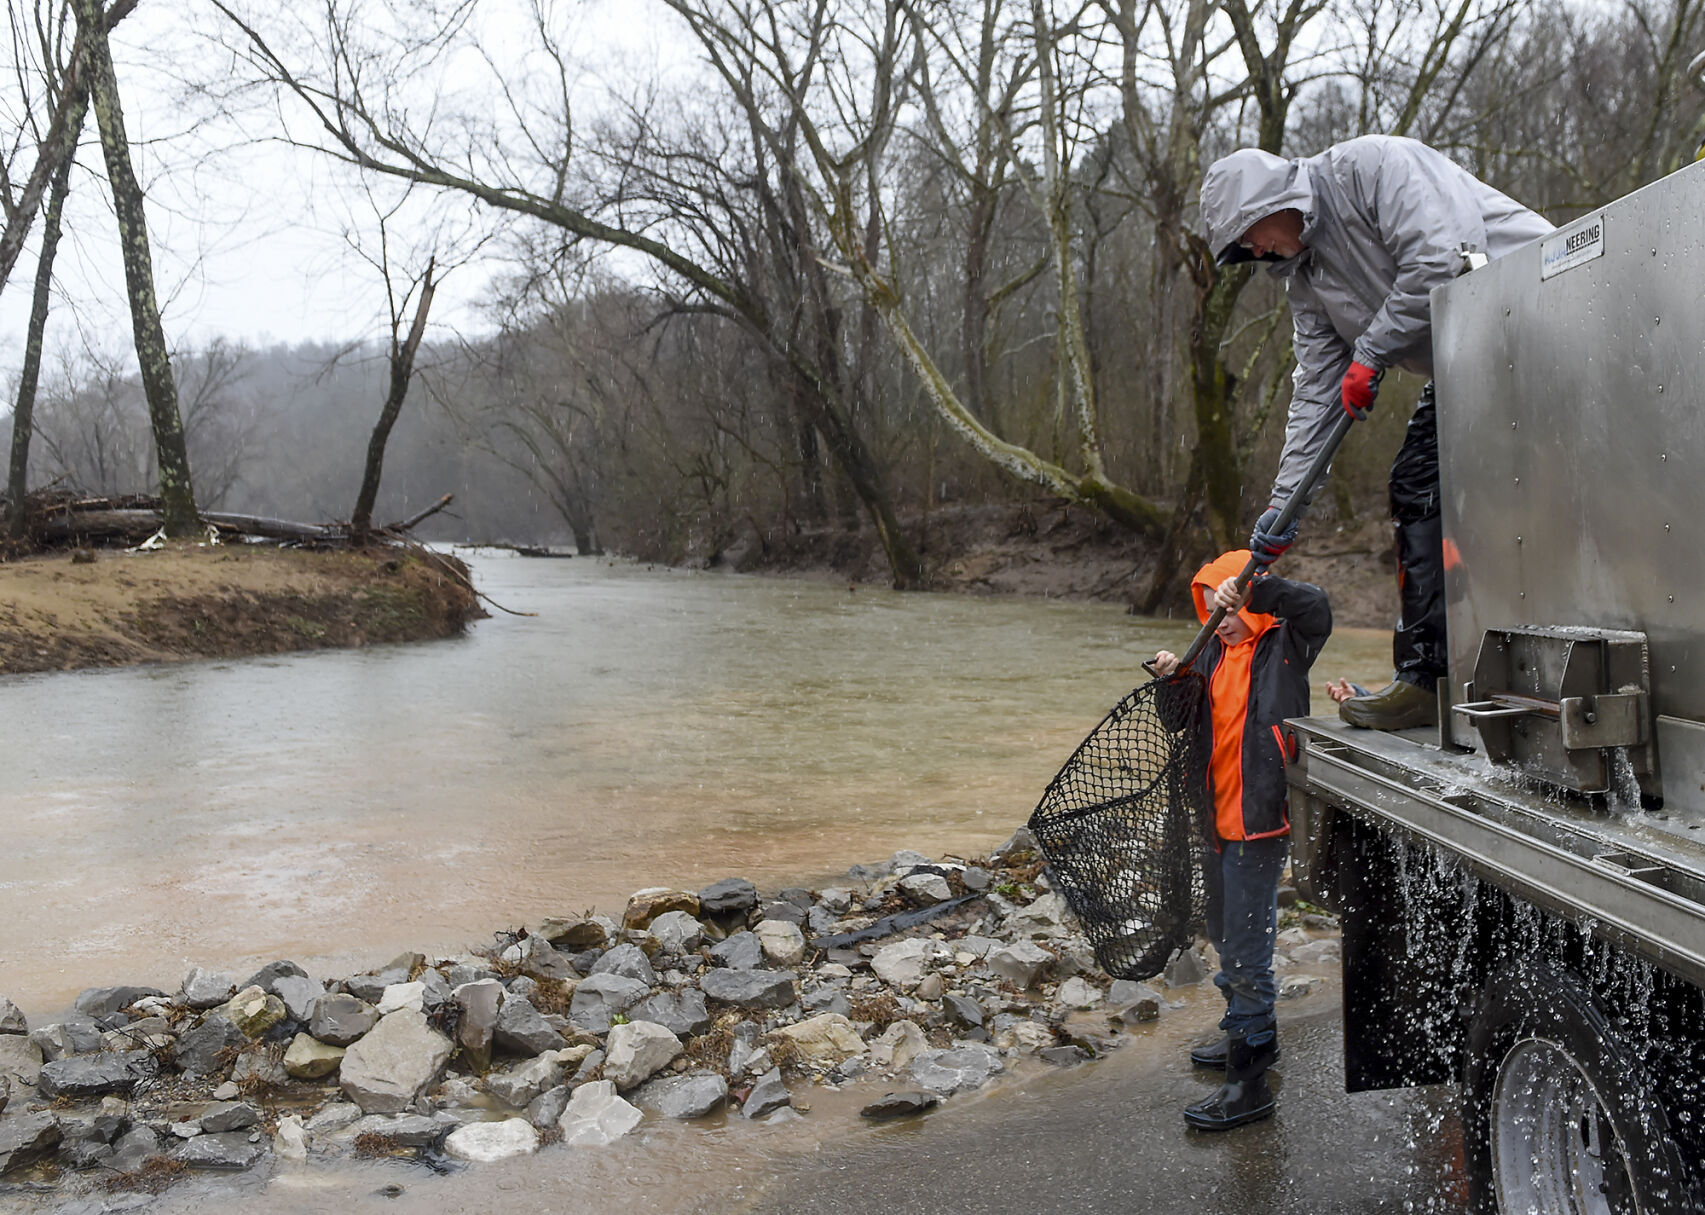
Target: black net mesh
x=1122, y=827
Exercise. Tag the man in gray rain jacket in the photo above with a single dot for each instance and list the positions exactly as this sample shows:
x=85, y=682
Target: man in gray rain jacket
x=1361, y=234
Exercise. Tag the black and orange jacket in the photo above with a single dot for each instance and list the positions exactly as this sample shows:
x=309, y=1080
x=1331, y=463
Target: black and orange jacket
x=1252, y=690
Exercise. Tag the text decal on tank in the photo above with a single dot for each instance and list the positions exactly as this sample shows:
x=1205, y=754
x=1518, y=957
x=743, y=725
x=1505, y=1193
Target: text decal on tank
x=1580, y=242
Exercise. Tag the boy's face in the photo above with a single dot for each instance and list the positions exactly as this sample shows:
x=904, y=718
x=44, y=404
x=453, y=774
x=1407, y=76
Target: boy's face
x=1233, y=631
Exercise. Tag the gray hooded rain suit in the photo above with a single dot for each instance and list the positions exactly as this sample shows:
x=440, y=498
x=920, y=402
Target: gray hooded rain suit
x=1385, y=220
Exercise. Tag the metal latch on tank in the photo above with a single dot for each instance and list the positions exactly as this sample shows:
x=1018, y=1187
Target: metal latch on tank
x=1563, y=703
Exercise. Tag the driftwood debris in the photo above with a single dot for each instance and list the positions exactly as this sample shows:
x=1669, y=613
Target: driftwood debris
x=57, y=517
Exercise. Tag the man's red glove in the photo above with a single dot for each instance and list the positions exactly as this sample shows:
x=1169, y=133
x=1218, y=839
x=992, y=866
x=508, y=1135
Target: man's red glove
x=1361, y=385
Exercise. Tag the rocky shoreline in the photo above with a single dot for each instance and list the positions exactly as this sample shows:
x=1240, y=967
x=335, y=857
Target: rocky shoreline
x=915, y=979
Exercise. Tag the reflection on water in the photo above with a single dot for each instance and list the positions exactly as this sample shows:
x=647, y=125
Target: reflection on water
x=646, y=727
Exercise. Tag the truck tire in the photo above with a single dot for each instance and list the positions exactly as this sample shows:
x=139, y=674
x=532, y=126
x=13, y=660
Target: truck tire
x=1558, y=1116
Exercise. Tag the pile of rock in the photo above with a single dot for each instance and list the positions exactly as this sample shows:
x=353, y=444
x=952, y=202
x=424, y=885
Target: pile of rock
x=926, y=976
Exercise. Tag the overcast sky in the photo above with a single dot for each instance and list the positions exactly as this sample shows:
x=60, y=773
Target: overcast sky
x=247, y=238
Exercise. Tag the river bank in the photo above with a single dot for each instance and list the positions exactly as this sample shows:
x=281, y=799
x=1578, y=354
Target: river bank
x=63, y=610
x=907, y=983
x=1062, y=552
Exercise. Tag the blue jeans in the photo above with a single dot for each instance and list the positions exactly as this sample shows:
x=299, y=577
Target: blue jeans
x=1242, y=881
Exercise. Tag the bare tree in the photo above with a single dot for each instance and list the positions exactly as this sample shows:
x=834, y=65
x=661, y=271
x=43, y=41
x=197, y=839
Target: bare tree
x=177, y=493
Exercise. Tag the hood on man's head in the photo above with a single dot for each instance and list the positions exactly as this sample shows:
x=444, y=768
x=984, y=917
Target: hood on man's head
x=1202, y=586
x=1244, y=188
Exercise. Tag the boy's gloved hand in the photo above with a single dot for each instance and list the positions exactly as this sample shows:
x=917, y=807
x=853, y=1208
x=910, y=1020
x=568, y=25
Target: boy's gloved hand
x=1264, y=544
x=1360, y=387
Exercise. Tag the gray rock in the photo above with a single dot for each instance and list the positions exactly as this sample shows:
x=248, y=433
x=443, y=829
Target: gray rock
x=405, y=1130
x=298, y=993
x=5, y=1093
x=783, y=943
x=600, y=997
x=341, y=1019
x=259, y=1067
x=628, y=961
x=95, y=1075
x=749, y=988
x=1022, y=963
x=1063, y=1056
x=963, y=1010
x=522, y=1083
x=229, y=1116
x=836, y=900
x=1317, y=953
x=976, y=879
x=12, y=1018
x=1020, y=841
x=98, y=1002
x=820, y=921
x=75, y=1035
x=524, y=986
x=232, y=1150
x=785, y=912
x=900, y=1105
x=1294, y=987
x=267, y=977
x=477, y=1004
x=488, y=1142
x=595, y=1116
x=682, y=1014
x=1076, y=992
x=956, y=1070
x=588, y=1067
x=539, y=959
x=1186, y=969
x=435, y=990
x=393, y=1063
x=20, y=1060
x=207, y=989
x=335, y=1116
x=201, y=1051
x=371, y=986
x=768, y=1095
x=521, y=1030
x=463, y=973
x=689, y=1096
x=676, y=932
x=132, y=1148
x=742, y=951
x=925, y=889
x=903, y=964
x=546, y=1109
x=730, y=896
x=26, y=1138
x=637, y=1051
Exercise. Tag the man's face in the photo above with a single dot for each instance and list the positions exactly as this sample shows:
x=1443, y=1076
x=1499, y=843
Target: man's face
x=1279, y=233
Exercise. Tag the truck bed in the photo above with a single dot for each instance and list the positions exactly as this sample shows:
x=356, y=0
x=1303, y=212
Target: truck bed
x=1634, y=879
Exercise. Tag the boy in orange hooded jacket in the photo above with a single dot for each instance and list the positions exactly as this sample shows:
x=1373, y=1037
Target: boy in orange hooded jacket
x=1256, y=668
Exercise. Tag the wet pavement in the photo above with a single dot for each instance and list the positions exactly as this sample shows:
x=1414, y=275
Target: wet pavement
x=1107, y=1138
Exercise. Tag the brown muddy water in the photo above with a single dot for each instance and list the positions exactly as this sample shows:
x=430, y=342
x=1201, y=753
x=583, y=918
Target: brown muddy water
x=645, y=728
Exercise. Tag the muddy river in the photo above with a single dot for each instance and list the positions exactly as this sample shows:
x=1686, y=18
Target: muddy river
x=644, y=727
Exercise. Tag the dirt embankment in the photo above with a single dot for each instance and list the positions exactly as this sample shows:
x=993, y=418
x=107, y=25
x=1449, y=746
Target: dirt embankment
x=1067, y=552
x=59, y=610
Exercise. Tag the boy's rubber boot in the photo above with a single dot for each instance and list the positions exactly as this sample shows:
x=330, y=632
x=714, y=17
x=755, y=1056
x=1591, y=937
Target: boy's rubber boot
x=1213, y=1054
x=1399, y=705
x=1245, y=1096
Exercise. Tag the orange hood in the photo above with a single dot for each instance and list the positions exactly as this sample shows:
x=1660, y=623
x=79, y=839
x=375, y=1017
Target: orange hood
x=1226, y=565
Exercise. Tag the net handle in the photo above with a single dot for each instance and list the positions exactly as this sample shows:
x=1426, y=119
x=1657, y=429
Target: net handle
x=1316, y=473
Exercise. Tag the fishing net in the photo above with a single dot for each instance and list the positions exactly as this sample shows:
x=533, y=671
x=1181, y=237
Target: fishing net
x=1122, y=827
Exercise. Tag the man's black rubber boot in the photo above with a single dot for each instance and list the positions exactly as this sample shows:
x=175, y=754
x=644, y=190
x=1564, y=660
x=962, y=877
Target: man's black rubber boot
x=1399, y=705
x=1245, y=1096
x=1213, y=1055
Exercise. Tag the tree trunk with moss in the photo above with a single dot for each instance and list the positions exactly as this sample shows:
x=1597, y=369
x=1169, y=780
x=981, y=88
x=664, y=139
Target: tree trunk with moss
x=177, y=493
